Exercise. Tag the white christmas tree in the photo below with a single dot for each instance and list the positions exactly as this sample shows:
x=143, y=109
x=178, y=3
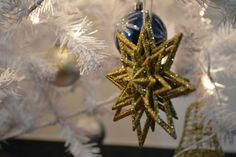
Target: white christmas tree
x=45, y=44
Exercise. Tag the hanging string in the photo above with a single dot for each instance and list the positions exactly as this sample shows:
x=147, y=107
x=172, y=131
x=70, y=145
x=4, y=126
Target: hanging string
x=144, y=10
x=147, y=8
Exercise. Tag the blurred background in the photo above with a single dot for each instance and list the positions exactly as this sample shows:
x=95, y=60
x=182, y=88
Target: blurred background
x=119, y=133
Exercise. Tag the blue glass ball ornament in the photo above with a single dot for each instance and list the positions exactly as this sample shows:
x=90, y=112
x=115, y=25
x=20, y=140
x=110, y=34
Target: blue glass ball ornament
x=133, y=24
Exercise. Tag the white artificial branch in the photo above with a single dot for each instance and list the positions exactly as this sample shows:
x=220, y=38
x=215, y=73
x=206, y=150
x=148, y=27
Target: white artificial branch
x=76, y=35
x=224, y=11
x=41, y=9
x=75, y=141
x=7, y=77
x=100, y=104
x=9, y=84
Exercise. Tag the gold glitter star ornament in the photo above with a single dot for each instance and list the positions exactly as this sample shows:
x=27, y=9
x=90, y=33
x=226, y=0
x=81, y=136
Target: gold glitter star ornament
x=147, y=83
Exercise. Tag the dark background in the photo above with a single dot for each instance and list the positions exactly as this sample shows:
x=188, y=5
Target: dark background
x=22, y=148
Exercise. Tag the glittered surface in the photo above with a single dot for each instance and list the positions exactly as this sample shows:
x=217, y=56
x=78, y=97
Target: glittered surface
x=194, y=133
x=147, y=83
